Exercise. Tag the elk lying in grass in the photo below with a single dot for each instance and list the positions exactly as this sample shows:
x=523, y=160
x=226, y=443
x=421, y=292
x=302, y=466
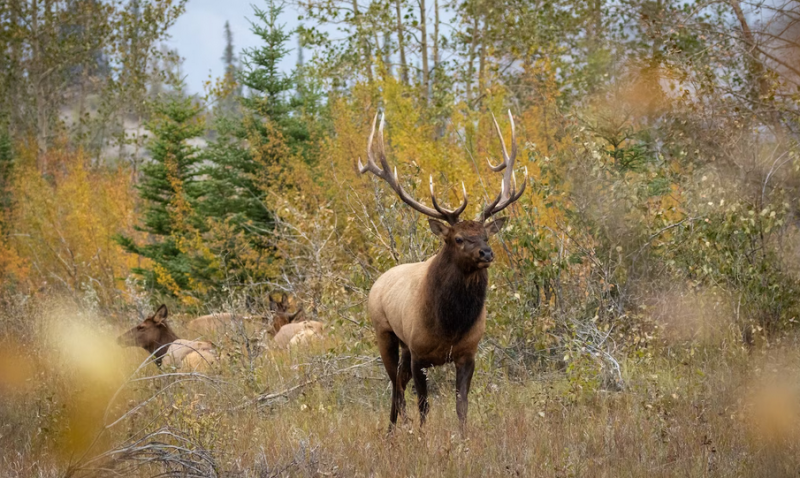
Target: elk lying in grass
x=289, y=332
x=433, y=312
x=156, y=336
x=298, y=333
x=279, y=315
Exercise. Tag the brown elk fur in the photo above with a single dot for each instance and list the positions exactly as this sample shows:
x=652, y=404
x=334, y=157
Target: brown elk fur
x=298, y=333
x=156, y=336
x=282, y=319
x=210, y=323
x=216, y=322
x=434, y=311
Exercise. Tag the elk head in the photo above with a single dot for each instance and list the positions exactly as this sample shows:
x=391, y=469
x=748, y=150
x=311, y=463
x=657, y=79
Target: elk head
x=151, y=334
x=279, y=306
x=280, y=313
x=466, y=241
x=279, y=319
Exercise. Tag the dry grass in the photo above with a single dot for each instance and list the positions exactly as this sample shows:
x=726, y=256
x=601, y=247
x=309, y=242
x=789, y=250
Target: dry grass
x=712, y=411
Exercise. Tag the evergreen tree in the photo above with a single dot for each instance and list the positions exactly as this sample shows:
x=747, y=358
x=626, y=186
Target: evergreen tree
x=229, y=57
x=270, y=98
x=233, y=89
x=234, y=191
x=6, y=162
x=248, y=153
x=170, y=190
x=262, y=76
x=300, y=58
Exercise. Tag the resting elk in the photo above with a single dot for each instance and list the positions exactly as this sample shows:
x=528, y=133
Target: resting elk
x=156, y=336
x=298, y=333
x=279, y=313
x=431, y=313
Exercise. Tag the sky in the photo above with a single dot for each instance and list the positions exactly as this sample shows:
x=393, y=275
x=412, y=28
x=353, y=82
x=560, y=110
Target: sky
x=198, y=35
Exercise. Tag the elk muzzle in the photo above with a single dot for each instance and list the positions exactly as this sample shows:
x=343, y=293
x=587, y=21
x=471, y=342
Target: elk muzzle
x=126, y=339
x=485, y=256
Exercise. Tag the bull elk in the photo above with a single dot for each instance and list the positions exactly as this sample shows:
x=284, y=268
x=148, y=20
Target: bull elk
x=156, y=336
x=298, y=333
x=432, y=313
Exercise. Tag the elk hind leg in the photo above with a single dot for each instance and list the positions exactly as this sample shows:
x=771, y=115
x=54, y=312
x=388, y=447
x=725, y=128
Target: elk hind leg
x=403, y=377
x=421, y=384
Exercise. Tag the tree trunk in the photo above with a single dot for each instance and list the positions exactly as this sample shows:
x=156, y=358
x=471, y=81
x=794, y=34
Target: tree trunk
x=761, y=87
x=595, y=25
x=423, y=35
x=13, y=78
x=435, y=38
x=387, y=52
x=82, y=100
x=439, y=129
x=37, y=81
x=364, y=41
x=473, y=46
x=401, y=43
x=482, y=61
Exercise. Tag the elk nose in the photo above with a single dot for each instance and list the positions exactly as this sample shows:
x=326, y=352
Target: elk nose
x=486, y=254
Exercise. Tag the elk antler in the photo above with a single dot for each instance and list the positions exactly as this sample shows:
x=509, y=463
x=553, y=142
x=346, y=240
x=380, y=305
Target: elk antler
x=508, y=192
x=383, y=172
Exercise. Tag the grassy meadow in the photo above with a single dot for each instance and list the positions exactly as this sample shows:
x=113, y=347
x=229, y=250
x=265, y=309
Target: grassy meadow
x=644, y=300
x=75, y=404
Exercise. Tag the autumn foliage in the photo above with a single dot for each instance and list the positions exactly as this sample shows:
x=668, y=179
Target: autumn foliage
x=648, y=278
x=61, y=228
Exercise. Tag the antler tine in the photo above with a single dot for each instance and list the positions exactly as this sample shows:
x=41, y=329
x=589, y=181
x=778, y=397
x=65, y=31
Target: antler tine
x=371, y=166
x=509, y=160
x=487, y=211
x=508, y=194
x=503, y=163
x=464, y=204
x=384, y=163
x=385, y=172
x=495, y=208
x=451, y=216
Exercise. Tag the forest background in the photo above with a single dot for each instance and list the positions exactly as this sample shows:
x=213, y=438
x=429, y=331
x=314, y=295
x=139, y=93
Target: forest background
x=659, y=228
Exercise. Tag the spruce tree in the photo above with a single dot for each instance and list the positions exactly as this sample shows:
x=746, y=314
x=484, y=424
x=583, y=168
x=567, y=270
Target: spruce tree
x=6, y=162
x=268, y=86
x=170, y=189
x=272, y=97
x=248, y=153
x=233, y=90
x=234, y=192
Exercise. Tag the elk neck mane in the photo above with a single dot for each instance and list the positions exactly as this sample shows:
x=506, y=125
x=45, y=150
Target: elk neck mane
x=167, y=337
x=454, y=297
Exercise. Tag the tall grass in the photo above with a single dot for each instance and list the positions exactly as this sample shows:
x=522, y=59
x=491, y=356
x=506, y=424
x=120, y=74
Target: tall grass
x=76, y=405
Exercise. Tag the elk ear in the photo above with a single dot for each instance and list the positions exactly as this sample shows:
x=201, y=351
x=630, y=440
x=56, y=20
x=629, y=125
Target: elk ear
x=494, y=227
x=161, y=314
x=439, y=228
x=284, y=299
x=296, y=314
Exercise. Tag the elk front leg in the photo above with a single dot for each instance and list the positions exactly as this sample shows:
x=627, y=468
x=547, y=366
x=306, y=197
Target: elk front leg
x=388, y=344
x=421, y=384
x=464, y=371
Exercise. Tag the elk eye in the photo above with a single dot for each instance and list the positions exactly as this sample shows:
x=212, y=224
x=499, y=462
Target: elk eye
x=459, y=240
